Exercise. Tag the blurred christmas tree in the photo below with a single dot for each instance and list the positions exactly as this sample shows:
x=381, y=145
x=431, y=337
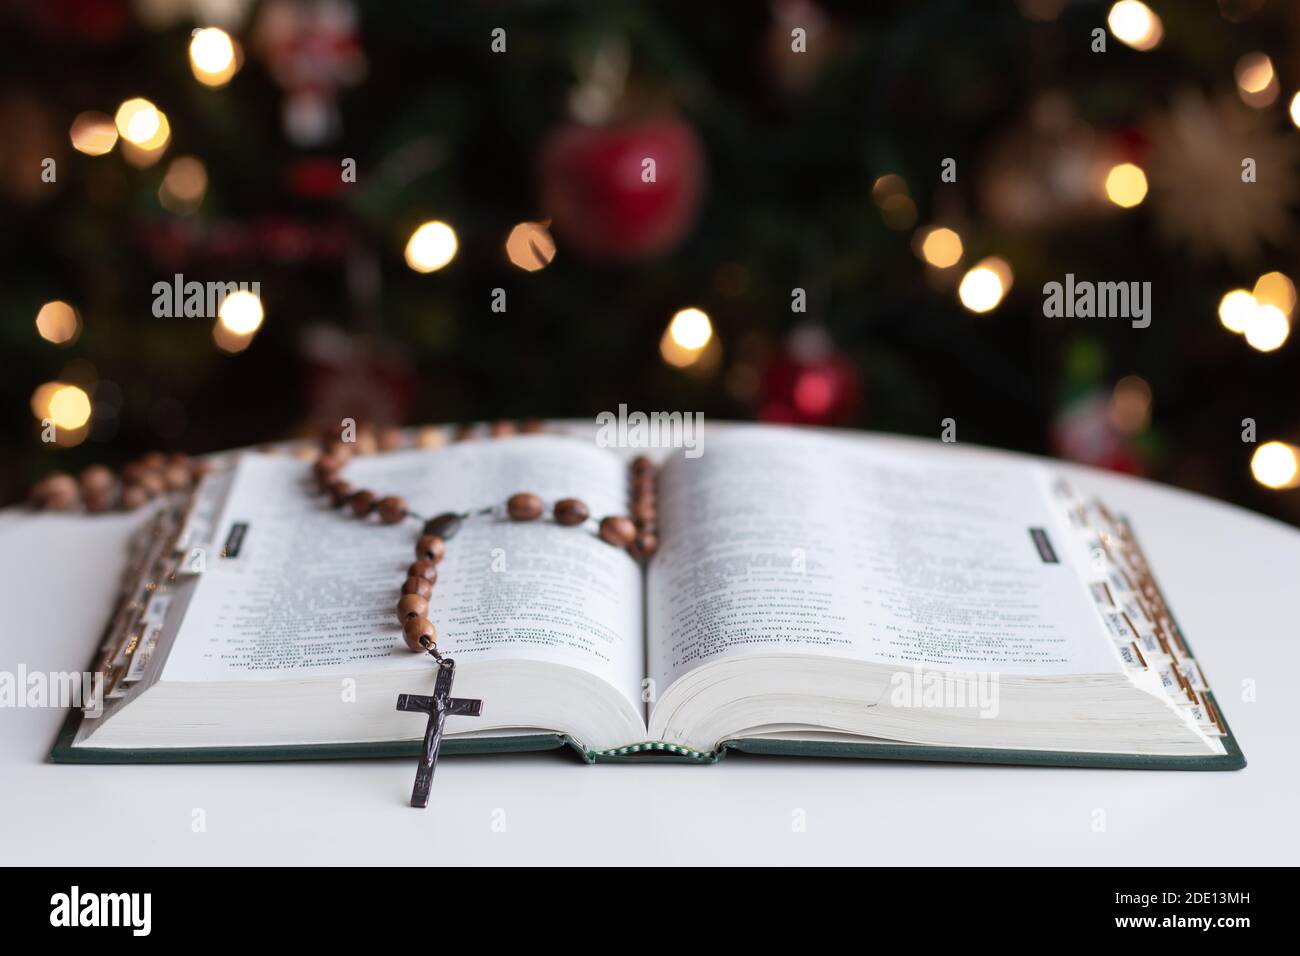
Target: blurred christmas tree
x=862, y=202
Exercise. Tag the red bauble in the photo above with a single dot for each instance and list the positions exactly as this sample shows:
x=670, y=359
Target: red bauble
x=593, y=187
x=810, y=383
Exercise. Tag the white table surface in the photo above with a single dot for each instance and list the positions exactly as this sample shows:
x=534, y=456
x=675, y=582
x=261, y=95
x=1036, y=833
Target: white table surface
x=1231, y=577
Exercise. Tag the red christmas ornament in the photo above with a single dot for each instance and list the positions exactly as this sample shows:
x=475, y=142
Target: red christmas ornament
x=623, y=192
x=810, y=383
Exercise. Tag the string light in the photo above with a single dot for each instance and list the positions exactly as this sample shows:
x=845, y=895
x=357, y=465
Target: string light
x=184, y=186
x=1275, y=289
x=431, y=247
x=58, y=322
x=67, y=406
x=1276, y=465
x=1235, y=309
x=145, y=131
x=984, y=286
x=1267, y=328
x=93, y=133
x=1130, y=405
x=138, y=121
x=687, y=337
x=530, y=246
x=1257, y=83
x=1135, y=24
x=941, y=247
x=241, y=313
x=1126, y=185
x=214, y=58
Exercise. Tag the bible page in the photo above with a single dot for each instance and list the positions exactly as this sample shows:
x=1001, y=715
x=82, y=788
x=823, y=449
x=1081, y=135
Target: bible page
x=302, y=589
x=777, y=542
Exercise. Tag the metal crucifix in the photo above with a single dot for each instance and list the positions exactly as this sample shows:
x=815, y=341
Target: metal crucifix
x=439, y=707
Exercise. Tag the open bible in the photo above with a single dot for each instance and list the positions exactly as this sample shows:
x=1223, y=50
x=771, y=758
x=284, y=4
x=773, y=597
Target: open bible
x=812, y=594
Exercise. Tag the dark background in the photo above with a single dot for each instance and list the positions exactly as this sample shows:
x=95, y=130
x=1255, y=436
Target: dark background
x=766, y=165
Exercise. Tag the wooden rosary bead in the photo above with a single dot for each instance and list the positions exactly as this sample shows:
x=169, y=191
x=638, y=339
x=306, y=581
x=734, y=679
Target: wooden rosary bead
x=524, y=506
x=362, y=502
x=644, y=546
x=532, y=426
x=502, y=428
x=97, y=478
x=153, y=461
x=152, y=484
x=99, y=499
x=424, y=569
x=391, y=438
x=336, y=448
x=443, y=526
x=641, y=465
x=419, y=634
x=366, y=443
x=643, y=484
x=643, y=509
x=177, y=477
x=618, y=531
x=463, y=433
x=133, y=496
x=430, y=547
x=571, y=511
x=340, y=492
x=411, y=605
x=392, y=509
x=430, y=437
x=327, y=468
x=417, y=585
x=59, y=491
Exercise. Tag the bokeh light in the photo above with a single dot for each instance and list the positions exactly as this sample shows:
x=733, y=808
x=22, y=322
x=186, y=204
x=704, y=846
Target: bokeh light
x=214, y=58
x=1235, y=309
x=1276, y=465
x=1135, y=24
x=431, y=247
x=530, y=246
x=984, y=286
x=1267, y=328
x=1126, y=185
x=241, y=313
x=686, y=338
x=941, y=247
x=1257, y=83
x=93, y=133
x=58, y=322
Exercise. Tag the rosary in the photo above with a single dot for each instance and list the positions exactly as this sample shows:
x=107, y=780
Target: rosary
x=636, y=534
x=155, y=474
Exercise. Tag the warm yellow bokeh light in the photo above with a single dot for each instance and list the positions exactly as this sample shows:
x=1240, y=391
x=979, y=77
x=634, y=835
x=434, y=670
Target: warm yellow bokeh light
x=241, y=313
x=93, y=133
x=67, y=406
x=691, y=329
x=1135, y=24
x=941, y=247
x=58, y=322
x=688, y=339
x=1267, y=328
x=530, y=246
x=1235, y=309
x=983, y=287
x=184, y=186
x=213, y=57
x=1276, y=289
x=431, y=247
x=1126, y=185
x=1276, y=465
x=1295, y=109
x=1257, y=82
x=138, y=121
